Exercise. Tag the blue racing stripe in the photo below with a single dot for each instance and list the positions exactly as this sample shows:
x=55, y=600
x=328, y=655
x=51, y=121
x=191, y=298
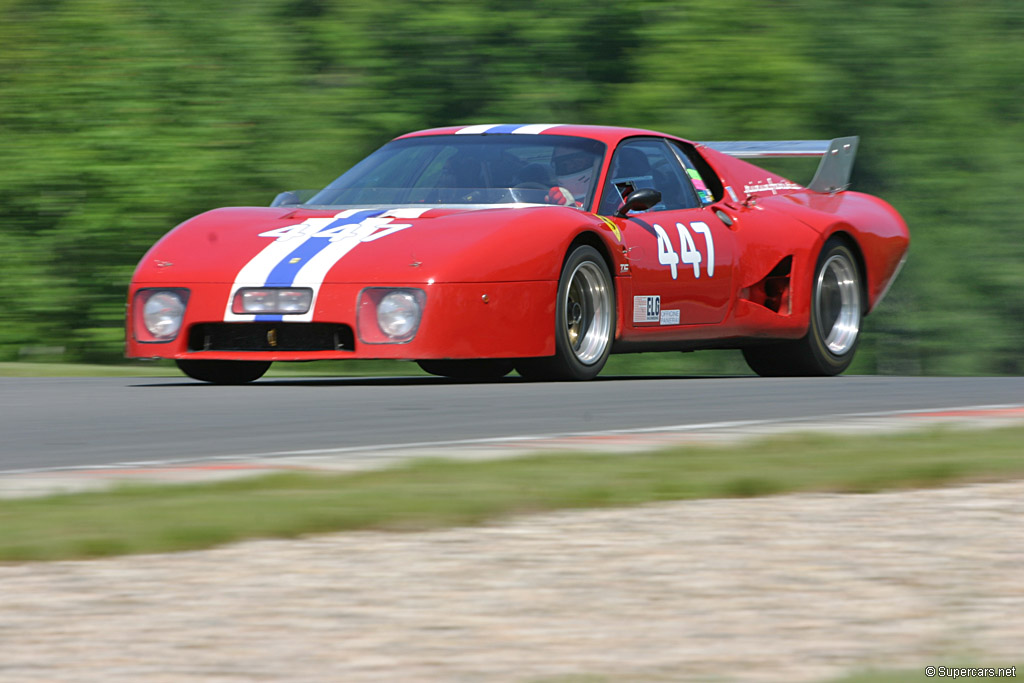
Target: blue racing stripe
x=283, y=274
x=506, y=128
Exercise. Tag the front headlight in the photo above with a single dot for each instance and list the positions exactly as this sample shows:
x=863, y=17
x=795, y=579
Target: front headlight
x=390, y=315
x=257, y=300
x=162, y=312
x=398, y=314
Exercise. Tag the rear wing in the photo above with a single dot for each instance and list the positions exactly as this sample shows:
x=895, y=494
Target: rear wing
x=833, y=174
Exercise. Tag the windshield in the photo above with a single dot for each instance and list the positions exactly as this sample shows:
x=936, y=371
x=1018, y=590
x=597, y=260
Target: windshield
x=472, y=169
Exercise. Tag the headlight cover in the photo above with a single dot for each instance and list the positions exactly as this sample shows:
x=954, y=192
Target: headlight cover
x=390, y=315
x=256, y=300
x=159, y=314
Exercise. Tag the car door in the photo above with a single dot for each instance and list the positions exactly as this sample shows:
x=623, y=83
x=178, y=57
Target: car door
x=680, y=254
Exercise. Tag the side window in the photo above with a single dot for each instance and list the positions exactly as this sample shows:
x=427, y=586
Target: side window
x=705, y=180
x=647, y=163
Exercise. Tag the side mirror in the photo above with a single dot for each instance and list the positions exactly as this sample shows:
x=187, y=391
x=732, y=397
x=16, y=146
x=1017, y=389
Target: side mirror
x=639, y=200
x=293, y=197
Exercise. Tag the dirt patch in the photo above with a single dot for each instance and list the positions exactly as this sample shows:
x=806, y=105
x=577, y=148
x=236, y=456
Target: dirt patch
x=801, y=587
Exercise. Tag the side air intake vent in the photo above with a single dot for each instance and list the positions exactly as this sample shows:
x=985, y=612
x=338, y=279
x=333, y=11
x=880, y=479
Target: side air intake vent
x=772, y=292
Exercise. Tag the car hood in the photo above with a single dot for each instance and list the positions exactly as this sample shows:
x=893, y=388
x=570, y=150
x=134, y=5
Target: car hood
x=288, y=246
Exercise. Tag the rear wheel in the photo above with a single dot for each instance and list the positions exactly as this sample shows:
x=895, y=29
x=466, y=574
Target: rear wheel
x=837, y=309
x=470, y=369
x=584, y=321
x=224, y=371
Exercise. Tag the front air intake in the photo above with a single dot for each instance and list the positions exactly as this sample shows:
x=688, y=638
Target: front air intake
x=270, y=336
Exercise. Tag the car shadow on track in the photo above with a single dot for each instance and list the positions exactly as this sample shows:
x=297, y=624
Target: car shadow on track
x=420, y=381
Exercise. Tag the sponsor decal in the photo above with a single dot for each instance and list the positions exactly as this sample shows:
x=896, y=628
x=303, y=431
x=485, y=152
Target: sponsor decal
x=302, y=254
x=670, y=317
x=771, y=186
x=646, y=309
x=698, y=184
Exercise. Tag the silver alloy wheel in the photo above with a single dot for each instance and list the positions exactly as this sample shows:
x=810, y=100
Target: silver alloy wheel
x=588, y=313
x=837, y=304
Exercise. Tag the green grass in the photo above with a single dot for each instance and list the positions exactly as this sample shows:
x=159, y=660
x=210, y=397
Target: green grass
x=34, y=369
x=870, y=676
x=435, y=493
x=866, y=676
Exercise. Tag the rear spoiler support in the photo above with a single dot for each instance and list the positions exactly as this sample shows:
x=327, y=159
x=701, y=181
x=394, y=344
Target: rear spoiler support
x=833, y=174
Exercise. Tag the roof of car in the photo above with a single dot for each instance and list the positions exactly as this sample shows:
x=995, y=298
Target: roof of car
x=607, y=134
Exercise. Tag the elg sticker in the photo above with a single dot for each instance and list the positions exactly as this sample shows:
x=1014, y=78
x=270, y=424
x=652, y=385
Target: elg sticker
x=646, y=309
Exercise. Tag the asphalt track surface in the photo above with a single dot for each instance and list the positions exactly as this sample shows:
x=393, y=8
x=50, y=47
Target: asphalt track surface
x=50, y=423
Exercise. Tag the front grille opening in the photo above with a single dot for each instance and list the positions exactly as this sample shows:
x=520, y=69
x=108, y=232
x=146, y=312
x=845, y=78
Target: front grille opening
x=271, y=336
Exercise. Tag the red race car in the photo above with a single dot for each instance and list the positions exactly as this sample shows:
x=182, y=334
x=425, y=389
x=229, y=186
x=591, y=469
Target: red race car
x=541, y=248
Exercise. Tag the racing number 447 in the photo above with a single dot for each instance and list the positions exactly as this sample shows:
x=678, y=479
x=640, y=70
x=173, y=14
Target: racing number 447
x=688, y=252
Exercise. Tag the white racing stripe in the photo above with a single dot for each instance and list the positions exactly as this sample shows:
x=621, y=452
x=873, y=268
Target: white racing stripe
x=535, y=128
x=255, y=272
x=476, y=130
x=507, y=128
x=312, y=273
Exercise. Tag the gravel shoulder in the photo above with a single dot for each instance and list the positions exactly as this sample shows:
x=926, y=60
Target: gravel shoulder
x=787, y=588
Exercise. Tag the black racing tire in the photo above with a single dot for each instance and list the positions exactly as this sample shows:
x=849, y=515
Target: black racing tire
x=584, y=321
x=837, y=311
x=224, y=371
x=470, y=369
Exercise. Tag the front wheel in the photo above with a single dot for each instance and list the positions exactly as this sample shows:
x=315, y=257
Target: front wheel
x=837, y=309
x=584, y=321
x=224, y=371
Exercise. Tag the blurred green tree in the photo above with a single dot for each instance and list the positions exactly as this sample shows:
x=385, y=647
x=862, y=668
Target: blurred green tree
x=120, y=118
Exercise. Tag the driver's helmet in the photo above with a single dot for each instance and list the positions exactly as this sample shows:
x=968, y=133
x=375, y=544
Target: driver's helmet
x=575, y=171
x=462, y=171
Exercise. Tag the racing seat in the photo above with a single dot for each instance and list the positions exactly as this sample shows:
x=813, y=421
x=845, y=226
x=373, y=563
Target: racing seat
x=629, y=166
x=633, y=164
x=462, y=174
